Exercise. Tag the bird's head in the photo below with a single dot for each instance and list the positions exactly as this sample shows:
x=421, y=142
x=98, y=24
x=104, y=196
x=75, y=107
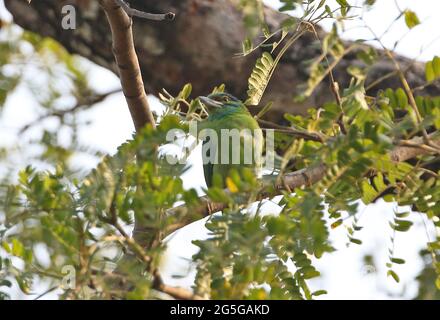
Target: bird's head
x=217, y=101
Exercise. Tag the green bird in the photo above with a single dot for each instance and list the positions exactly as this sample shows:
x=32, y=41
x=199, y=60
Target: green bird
x=239, y=142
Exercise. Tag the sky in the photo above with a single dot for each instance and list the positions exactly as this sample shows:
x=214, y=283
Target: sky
x=344, y=273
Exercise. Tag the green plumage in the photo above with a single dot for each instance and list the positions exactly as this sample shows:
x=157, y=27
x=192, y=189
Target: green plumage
x=227, y=112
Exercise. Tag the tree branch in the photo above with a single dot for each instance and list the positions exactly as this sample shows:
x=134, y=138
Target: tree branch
x=81, y=104
x=145, y=15
x=313, y=136
x=290, y=181
x=175, y=292
x=128, y=64
x=411, y=149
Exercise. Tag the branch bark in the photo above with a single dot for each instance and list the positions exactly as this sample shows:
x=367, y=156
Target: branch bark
x=290, y=181
x=128, y=64
x=134, y=92
x=175, y=292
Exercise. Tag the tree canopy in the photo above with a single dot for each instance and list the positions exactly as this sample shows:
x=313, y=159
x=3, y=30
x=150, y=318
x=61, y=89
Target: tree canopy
x=363, y=141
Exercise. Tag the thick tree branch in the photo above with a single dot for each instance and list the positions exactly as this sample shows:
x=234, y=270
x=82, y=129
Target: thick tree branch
x=290, y=181
x=412, y=148
x=117, y=12
x=128, y=64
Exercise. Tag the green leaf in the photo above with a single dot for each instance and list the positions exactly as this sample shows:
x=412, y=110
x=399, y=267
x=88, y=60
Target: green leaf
x=218, y=195
x=367, y=56
x=319, y=293
x=342, y=3
x=429, y=71
x=6, y=246
x=397, y=260
x=5, y=283
x=186, y=91
x=368, y=192
x=394, y=275
x=389, y=93
x=436, y=66
x=402, y=98
x=336, y=224
x=24, y=284
x=402, y=225
x=411, y=19
x=329, y=11
x=344, y=6
x=402, y=214
x=287, y=5
x=310, y=273
x=321, y=4
x=259, y=78
x=17, y=248
x=355, y=241
x=247, y=46
x=434, y=245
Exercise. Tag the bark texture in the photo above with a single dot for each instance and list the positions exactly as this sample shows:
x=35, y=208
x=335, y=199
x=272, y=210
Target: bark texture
x=199, y=47
x=128, y=65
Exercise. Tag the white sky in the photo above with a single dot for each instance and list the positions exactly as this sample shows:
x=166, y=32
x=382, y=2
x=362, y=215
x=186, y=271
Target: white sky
x=344, y=275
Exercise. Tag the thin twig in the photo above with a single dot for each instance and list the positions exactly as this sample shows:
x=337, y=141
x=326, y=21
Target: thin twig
x=82, y=104
x=175, y=292
x=408, y=91
x=314, y=136
x=334, y=86
x=417, y=144
x=145, y=15
x=113, y=220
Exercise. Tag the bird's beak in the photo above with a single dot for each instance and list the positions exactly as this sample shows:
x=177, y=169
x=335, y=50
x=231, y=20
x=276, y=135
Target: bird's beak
x=210, y=103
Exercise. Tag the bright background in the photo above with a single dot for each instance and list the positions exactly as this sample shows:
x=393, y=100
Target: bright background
x=345, y=275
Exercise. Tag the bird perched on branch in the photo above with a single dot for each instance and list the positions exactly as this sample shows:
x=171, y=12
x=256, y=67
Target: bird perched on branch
x=232, y=138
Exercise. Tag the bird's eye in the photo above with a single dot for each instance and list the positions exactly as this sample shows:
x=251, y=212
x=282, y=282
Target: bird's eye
x=226, y=99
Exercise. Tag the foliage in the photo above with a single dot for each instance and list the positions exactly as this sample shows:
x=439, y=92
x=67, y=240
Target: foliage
x=77, y=221
x=85, y=221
